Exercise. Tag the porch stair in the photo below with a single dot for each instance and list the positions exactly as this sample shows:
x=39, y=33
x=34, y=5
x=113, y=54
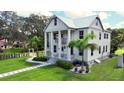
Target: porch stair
x=52, y=60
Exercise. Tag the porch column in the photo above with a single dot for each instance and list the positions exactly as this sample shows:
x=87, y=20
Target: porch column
x=51, y=48
x=59, y=44
x=68, y=40
x=45, y=43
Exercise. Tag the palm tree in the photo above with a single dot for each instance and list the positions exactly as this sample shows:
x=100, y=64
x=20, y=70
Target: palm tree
x=35, y=42
x=82, y=44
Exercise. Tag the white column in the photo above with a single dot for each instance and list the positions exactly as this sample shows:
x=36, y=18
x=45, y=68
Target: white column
x=69, y=39
x=51, y=48
x=59, y=44
x=45, y=44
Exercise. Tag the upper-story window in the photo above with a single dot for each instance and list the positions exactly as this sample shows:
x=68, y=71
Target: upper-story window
x=55, y=36
x=97, y=23
x=100, y=36
x=107, y=36
x=81, y=33
x=92, y=32
x=104, y=35
x=55, y=21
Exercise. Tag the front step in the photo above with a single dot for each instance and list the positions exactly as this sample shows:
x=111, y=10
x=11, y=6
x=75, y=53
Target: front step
x=52, y=60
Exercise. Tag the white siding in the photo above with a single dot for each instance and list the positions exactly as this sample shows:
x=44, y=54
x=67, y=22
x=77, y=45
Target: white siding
x=102, y=42
x=98, y=26
x=60, y=26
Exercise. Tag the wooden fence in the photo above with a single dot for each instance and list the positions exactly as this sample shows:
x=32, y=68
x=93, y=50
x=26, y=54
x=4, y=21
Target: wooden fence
x=9, y=56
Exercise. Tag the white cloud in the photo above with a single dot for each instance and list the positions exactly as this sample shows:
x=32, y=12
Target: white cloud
x=75, y=14
x=27, y=13
x=120, y=25
x=107, y=25
x=104, y=15
x=120, y=13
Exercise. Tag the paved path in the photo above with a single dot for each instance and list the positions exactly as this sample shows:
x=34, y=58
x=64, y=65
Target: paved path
x=24, y=69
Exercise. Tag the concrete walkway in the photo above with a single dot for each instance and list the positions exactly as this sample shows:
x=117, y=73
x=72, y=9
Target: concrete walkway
x=42, y=64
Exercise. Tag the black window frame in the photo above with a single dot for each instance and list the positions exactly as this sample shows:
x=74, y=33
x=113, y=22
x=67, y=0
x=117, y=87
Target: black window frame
x=81, y=34
x=97, y=22
x=99, y=49
x=106, y=48
x=100, y=35
x=55, y=21
x=103, y=49
x=55, y=48
x=81, y=52
x=92, y=51
x=72, y=50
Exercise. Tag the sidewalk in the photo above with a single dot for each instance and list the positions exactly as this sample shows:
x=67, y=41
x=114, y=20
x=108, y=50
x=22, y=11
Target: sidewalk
x=23, y=70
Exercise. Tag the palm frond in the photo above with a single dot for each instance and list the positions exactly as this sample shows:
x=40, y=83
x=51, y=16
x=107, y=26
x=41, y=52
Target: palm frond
x=92, y=46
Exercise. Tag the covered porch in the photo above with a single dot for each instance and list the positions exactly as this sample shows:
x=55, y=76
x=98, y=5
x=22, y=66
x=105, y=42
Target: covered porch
x=56, y=44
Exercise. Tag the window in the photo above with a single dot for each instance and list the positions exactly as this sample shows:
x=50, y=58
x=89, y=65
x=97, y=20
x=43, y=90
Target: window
x=104, y=35
x=97, y=23
x=81, y=34
x=54, y=48
x=92, y=51
x=55, y=21
x=106, y=48
x=92, y=33
x=47, y=40
x=62, y=49
x=107, y=36
x=103, y=49
x=80, y=52
x=99, y=49
x=55, y=36
x=99, y=36
x=72, y=52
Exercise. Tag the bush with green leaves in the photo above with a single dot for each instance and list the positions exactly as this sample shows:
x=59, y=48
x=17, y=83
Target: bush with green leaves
x=43, y=58
x=64, y=64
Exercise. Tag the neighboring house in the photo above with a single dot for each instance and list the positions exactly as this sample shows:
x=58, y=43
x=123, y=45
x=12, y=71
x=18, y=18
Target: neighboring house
x=2, y=43
x=60, y=31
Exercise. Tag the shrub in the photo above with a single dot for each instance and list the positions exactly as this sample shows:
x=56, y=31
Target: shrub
x=77, y=62
x=64, y=64
x=40, y=58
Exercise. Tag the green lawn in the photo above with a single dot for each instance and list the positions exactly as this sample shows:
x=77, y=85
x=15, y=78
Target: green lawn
x=105, y=71
x=13, y=64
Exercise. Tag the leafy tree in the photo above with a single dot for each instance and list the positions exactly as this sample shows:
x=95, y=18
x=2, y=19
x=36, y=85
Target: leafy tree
x=35, y=42
x=82, y=44
x=117, y=39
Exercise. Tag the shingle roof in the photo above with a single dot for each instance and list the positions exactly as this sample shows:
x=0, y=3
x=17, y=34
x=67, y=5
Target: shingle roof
x=78, y=22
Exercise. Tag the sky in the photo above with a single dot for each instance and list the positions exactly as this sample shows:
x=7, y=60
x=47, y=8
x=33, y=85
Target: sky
x=110, y=19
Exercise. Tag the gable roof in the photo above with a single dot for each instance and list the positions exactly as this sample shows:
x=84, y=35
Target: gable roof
x=77, y=22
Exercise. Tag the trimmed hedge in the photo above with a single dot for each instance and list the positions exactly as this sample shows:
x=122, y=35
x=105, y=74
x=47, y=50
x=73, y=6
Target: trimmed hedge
x=43, y=58
x=64, y=64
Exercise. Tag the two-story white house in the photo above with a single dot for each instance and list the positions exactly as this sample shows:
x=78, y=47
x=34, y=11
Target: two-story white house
x=60, y=31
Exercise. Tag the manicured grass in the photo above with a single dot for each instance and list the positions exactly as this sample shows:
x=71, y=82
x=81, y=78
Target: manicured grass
x=13, y=64
x=105, y=71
